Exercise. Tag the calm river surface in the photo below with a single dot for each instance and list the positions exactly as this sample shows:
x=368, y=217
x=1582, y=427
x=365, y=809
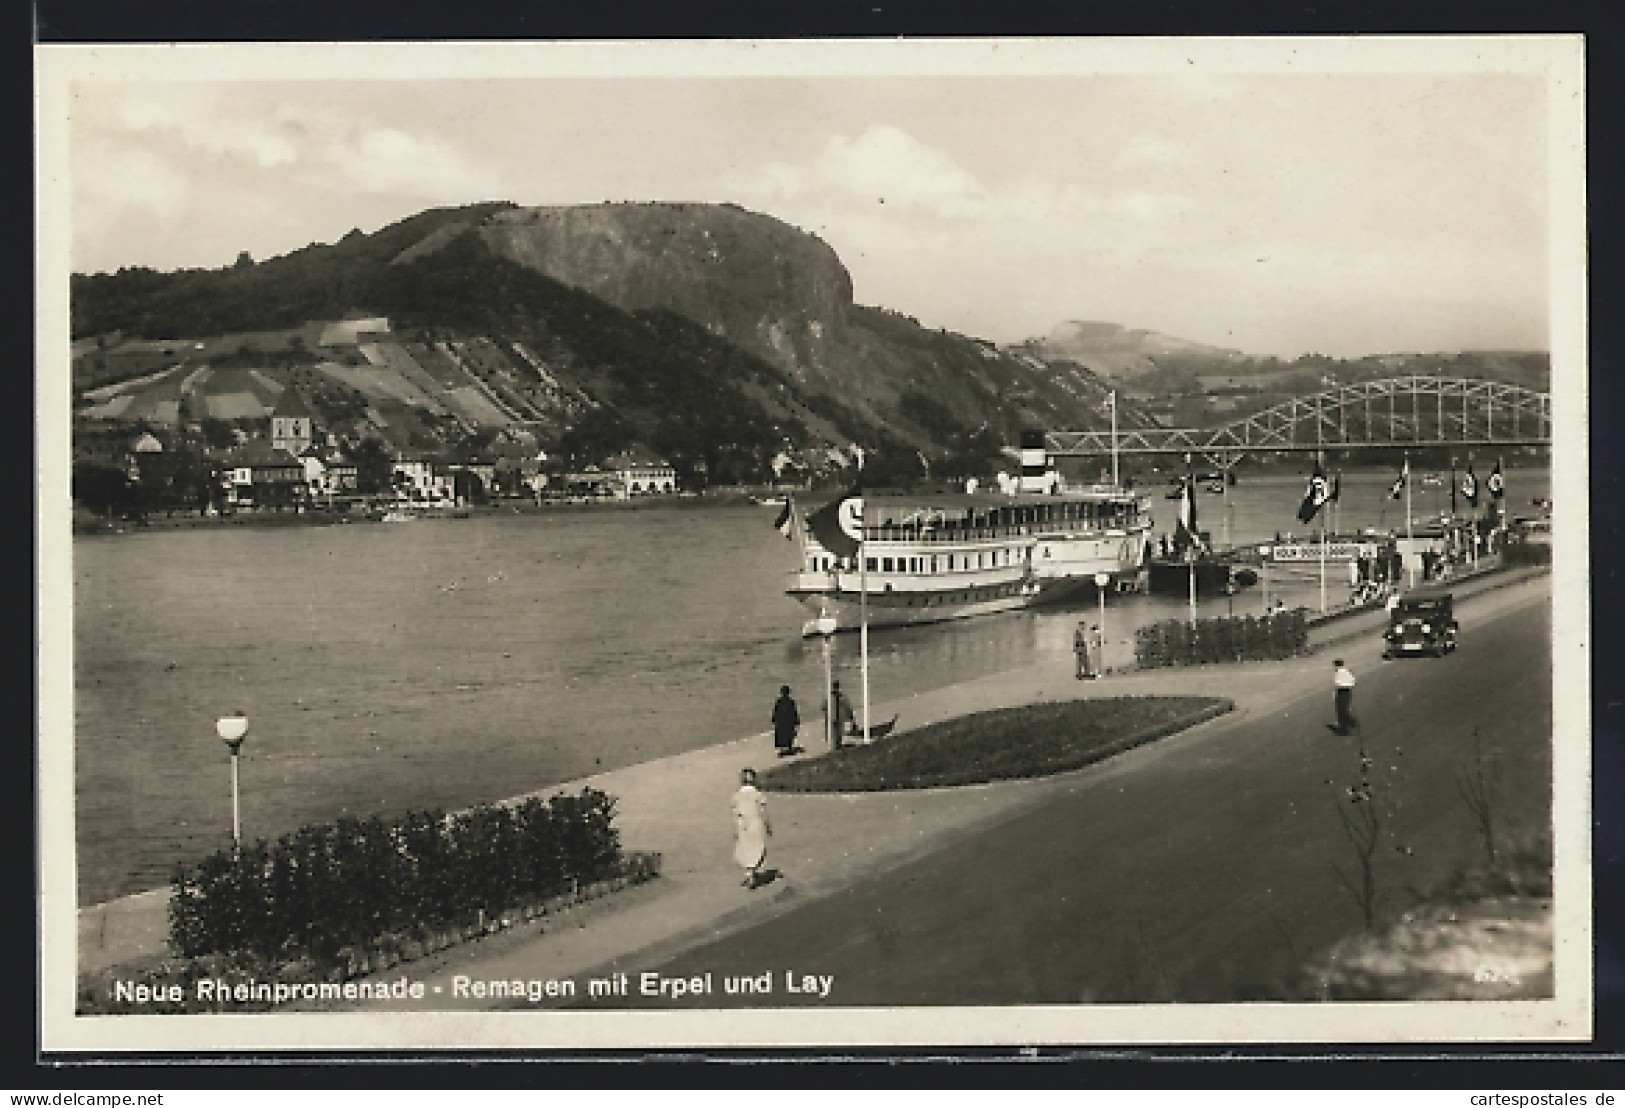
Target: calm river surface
x=449, y=662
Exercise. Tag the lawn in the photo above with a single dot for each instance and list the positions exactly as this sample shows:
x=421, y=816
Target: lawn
x=1032, y=741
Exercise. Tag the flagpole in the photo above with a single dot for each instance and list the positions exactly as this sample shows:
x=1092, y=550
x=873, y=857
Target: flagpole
x=1190, y=561
x=1476, y=515
x=1322, y=565
x=863, y=624
x=1322, y=558
x=1337, y=507
x=1410, y=570
x=1190, y=550
x=1112, y=396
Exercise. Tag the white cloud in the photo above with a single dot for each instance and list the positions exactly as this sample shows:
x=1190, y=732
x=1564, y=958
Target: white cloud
x=1148, y=149
x=389, y=160
x=772, y=179
x=325, y=147
x=1150, y=207
x=130, y=177
x=886, y=169
x=891, y=166
x=197, y=122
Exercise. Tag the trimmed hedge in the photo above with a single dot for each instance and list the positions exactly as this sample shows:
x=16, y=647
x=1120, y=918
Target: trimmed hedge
x=1175, y=642
x=330, y=887
x=100, y=991
x=1524, y=553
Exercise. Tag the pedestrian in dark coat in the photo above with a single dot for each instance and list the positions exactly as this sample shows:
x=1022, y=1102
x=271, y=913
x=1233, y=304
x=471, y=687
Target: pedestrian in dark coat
x=786, y=721
x=1082, y=643
x=845, y=722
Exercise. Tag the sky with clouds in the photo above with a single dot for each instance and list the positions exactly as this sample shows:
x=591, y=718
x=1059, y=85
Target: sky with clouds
x=1280, y=213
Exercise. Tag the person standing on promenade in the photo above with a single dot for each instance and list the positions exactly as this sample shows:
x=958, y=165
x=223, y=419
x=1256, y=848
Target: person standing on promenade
x=751, y=828
x=1343, y=698
x=786, y=721
x=1081, y=644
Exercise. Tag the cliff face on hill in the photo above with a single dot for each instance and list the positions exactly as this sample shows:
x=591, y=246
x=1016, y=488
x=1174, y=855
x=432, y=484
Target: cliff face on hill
x=778, y=292
x=784, y=295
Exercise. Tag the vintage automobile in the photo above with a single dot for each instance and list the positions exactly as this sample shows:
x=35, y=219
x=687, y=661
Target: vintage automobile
x=1421, y=624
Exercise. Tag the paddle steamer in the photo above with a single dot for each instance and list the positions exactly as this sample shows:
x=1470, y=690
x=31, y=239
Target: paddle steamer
x=928, y=557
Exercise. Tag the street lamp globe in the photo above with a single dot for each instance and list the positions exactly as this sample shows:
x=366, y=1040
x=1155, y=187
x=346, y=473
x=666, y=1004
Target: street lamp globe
x=232, y=730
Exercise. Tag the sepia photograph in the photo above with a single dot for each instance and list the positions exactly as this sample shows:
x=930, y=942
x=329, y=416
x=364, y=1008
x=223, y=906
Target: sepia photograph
x=813, y=544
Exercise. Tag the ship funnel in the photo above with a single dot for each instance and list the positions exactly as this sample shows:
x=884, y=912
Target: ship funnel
x=1035, y=474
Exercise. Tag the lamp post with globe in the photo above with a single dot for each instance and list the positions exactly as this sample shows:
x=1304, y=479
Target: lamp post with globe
x=233, y=730
x=825, y=626
x=1101, y=581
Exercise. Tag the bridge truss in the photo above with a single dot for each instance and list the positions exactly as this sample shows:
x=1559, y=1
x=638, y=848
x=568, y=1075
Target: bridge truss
x=1396, y=413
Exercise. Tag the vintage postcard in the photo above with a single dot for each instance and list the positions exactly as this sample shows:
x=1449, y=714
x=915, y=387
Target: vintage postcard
x=1003, y=542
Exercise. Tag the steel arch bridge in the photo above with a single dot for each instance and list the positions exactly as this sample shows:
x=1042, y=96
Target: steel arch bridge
x=1394, y=413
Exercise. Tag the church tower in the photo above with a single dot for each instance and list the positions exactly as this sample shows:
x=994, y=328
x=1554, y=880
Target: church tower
x=292, y=428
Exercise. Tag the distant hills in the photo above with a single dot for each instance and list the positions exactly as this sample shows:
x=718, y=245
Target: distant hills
x=725, y=339
x=1123, y=354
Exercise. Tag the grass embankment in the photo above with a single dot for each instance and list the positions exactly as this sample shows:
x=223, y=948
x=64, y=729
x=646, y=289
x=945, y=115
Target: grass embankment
x=1488, y=935
x=1032, y=741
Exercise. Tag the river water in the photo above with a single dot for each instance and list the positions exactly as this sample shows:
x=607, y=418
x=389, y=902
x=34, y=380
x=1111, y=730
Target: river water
x=450, y=662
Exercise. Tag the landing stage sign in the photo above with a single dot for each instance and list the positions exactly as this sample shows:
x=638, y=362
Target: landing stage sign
x=1310, y=552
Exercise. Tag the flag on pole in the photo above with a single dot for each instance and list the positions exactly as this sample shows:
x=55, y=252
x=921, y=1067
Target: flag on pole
x=1495, y=482
x=1315, y=496
x=1397, y=489
x=1186, y=525
x=786, y=523
x=838, y=525
x=1469, y=487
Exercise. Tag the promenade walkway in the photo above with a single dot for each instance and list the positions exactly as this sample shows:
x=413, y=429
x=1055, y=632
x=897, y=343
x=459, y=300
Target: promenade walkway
x=679, y=807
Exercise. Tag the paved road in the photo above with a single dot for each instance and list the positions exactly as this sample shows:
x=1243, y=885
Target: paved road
x=1208, y=874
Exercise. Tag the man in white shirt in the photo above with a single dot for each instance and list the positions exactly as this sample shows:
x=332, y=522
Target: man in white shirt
x=1343, y=696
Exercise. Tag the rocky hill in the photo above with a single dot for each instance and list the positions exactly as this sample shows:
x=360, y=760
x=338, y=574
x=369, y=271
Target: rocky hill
x=778, y=292
x=720, y=337
x=1123, y=354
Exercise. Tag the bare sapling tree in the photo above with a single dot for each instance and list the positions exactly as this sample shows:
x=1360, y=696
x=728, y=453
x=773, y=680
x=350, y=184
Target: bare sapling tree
x=1478, y=781
x=1365, y=810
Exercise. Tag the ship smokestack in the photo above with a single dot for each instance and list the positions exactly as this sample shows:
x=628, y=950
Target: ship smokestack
x=1035, y=475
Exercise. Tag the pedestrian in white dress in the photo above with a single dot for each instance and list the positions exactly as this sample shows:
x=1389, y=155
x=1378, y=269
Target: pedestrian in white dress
x=751, y=828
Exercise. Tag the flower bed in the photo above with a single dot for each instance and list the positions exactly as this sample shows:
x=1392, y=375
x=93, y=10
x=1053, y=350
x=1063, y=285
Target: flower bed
x=1032, y=741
